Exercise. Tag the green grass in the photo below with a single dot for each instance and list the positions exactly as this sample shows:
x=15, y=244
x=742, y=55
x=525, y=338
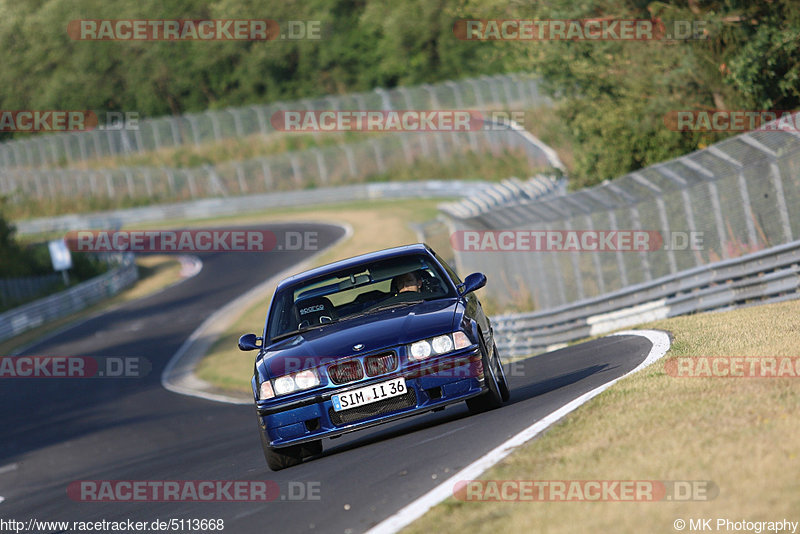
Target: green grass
x=742, y=434
x=376, y=225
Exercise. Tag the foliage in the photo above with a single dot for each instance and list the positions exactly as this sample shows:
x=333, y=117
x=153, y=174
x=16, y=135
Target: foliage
x=17, y=260
x=612, y=95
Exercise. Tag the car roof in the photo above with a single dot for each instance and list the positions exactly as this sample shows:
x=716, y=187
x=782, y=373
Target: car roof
x=334, y=267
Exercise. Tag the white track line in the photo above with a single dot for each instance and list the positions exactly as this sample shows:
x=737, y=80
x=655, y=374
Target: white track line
x=178, y=375
x=8, y=468
x=417, y=508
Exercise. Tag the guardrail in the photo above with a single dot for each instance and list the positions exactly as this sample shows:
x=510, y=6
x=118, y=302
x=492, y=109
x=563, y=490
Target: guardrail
x=21, y=289
x=59, y=305
x=194, y=129
x=326, y=166
x=737, y=196
x=217, y=207
x=73, y=300
x=769, y=275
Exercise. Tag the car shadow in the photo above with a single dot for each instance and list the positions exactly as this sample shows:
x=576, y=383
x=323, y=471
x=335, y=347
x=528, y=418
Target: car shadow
x=459, y=411
x=542, y=387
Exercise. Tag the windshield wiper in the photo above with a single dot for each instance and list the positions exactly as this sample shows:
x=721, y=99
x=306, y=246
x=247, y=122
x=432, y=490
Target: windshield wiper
x=395, y=305
x=298, y=331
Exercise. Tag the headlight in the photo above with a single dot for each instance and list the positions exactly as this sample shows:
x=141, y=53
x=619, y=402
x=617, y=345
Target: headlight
x=306, y=379
x=420, y=350
x=442, y=344
x=461, y=340
x=296, y=382
x=284, y=385
x=265, y=391
x=438, y=345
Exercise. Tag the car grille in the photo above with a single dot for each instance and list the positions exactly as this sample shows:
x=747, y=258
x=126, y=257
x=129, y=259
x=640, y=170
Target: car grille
x=343, y=373
x=391, y=404
x=380, y=364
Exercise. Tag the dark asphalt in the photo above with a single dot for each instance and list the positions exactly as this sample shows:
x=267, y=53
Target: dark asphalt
x=56, y=431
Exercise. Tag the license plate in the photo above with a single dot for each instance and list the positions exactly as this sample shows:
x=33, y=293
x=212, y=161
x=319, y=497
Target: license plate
x=369, y=394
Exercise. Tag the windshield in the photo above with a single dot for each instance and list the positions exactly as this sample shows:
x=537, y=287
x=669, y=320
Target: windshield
x=361, y=290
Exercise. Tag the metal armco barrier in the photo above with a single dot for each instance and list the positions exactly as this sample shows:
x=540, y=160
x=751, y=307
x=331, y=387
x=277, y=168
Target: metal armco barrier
x=70, y=301
x=217, y=207
x=737, y=196
x=769, y=275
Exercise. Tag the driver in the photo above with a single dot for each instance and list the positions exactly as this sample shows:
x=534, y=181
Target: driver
x=408, y=282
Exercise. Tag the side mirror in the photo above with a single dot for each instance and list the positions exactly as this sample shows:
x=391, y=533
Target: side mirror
x=472, y=283
x=250, y=342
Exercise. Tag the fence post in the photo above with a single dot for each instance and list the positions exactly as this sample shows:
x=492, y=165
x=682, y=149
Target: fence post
x=129, y=181
x=435, y=105
x=192, y=185
x=109, y=184
x=193, y=125
x=637, y=225
x=351, y=162
x=240, y=178
x=323, y=172
x=378, y=155
x=215, y=125
x=601, y=284
x=298, y=176
x=237, y=121
x=148, y=183
x=262, y=125
x=267, y=172
x=623, y=273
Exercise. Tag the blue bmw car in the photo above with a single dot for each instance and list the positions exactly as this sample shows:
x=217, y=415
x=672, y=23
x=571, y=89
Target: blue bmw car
x=368, y=340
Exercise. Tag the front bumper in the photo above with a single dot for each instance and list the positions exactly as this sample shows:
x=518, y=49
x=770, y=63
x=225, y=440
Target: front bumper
x=432, y=384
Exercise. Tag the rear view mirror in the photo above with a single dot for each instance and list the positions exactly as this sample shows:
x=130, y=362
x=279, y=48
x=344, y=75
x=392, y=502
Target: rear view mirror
x=250, y=342
x=472, y=283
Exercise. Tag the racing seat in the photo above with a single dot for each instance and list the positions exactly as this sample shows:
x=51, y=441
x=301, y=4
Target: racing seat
x=314, y=311
x=430, y=284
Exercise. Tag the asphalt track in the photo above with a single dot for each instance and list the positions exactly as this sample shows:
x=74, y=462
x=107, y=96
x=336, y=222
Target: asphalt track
x=57, y=431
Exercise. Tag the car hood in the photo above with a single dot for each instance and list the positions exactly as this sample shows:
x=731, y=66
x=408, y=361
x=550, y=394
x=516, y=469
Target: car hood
x=383, y=329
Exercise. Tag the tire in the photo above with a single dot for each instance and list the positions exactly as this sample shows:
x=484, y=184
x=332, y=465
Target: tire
x=505, y=393
x=284, y=457
x=493, y=397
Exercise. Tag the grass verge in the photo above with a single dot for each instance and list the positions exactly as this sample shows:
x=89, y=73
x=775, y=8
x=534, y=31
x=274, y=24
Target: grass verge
x=155, y=273
x=465, y=166
x=376, y=225
x=742, y=434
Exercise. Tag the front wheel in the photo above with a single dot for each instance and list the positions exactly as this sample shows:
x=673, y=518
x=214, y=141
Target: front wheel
x=284, y=457
x=505, y=393
x=493, y=398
